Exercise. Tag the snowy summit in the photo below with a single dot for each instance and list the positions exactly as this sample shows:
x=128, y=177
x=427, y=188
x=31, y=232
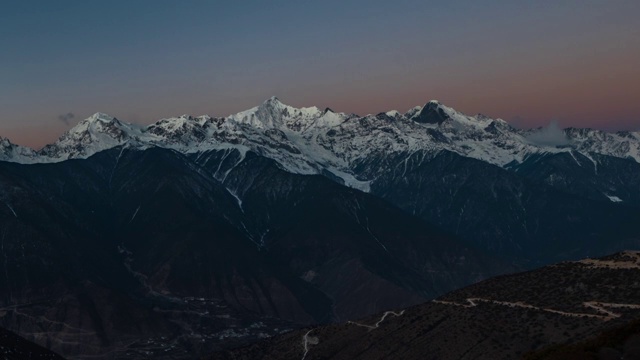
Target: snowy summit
x=311, y=141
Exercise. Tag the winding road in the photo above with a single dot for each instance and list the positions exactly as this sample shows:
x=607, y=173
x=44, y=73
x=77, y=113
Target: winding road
x=600, y=307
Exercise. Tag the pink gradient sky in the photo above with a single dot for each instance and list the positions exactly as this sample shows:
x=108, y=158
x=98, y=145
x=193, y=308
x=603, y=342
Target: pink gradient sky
x=575, y=62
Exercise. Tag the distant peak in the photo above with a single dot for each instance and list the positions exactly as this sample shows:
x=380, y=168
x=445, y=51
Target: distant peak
x=5, y=142
x=434, y=104
x=273, y=101
x=99, y=116
x=432, y=113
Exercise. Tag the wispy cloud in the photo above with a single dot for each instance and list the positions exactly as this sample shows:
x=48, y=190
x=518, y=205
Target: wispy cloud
x=66, y=118
x=550, y=135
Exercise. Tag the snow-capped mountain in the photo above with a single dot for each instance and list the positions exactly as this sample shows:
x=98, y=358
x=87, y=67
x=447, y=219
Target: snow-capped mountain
x=208, y=221
x=17, y=153
x=98, y=132
x=313, y=141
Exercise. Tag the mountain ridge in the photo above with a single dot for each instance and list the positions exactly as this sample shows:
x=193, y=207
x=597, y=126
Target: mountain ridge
x=312, y=141
x=478, y=178
x=504, y=317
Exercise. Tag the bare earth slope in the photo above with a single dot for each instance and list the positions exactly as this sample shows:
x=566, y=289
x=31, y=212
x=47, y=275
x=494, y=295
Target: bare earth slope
x=500, y=318
x=13, y=347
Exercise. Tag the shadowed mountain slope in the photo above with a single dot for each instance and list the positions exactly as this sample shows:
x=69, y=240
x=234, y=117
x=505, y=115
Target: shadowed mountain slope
x=500, y=318
x=130, y=253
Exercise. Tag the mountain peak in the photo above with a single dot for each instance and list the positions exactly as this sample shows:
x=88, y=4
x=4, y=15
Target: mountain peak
x=273, y=101
x=5, y=142
x=186, y=117
x=100, y=116
x=432, y=113
x=95, y=123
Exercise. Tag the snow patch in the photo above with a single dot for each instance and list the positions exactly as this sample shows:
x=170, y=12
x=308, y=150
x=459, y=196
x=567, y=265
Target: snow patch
x=614, y=199
x=12, y=211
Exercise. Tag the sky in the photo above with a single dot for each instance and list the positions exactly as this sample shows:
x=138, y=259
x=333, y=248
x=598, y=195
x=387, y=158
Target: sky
x=575, y=63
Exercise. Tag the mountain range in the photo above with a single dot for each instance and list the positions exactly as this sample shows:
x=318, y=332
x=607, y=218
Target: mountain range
x=472, y=175
x=196, y=234
x=313, y=140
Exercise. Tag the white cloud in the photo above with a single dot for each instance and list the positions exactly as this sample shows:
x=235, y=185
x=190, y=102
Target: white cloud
x=550, y=135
